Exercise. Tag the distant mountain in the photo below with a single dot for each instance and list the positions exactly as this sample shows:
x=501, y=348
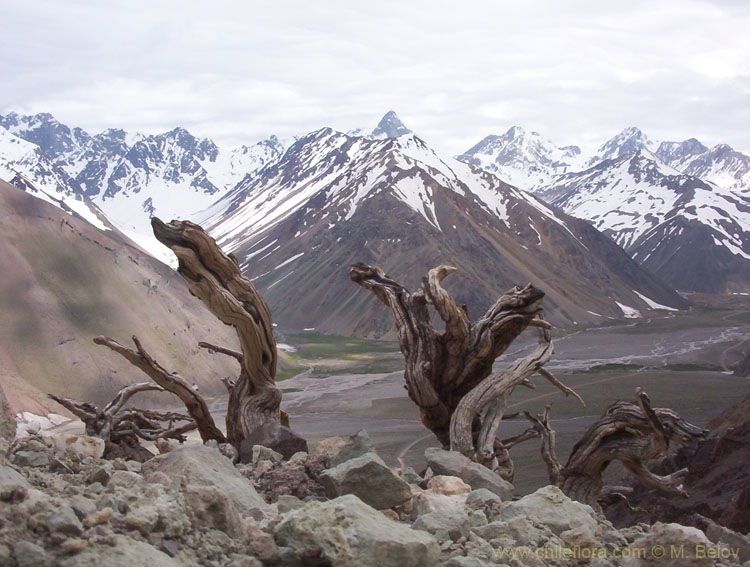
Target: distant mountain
x=132, y=177
x=523, y=159
x=680, y=209
x=688, y=232
x=62, y=282
x=334, y=199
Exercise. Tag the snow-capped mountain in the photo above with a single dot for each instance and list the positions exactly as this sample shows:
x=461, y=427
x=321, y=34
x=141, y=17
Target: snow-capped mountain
x=27, y=167
x=659, y=215
x=635, y=189
x=524, y=159
x=334, y=199
x=629, y=141
x=131, y=177
x=720, y=165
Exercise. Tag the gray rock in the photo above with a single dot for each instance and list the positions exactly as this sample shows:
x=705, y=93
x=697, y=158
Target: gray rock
x=82, y=506
x=411, y=476
x=100, y=474
x=7, y=419
x=124, y=479
x=29, y=554
x=210, y=507
x=549, y=506
x=274, y=436
x=201, y=465
x=30, y=459
x=261, y=453
x=444, y=524
x=13, y=486
x=350, y=533
x=159, y=510
x=481, y=497
x=122, y=551
x=697, y=548
x=64, y=521
x=287, y=503
x=369, y=478
x=355, y=446
x=452, y=463
x=735, y=541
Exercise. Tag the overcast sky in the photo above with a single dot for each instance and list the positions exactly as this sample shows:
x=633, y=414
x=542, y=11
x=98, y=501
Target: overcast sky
x=575, y=71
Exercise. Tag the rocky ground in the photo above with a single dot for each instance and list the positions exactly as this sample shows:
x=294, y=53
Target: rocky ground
x=340, y=505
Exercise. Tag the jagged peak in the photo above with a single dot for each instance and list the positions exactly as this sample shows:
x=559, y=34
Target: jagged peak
x=390, y=126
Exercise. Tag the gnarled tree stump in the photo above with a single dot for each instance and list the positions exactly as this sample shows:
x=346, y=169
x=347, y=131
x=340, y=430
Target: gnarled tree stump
x=632, y=433
x=449, y=374
x=215, y=278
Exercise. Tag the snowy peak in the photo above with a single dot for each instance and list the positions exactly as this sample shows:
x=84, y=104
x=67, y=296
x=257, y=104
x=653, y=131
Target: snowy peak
x=676, y=152
x=626, y=142
x=523, y=159
x=390, y=126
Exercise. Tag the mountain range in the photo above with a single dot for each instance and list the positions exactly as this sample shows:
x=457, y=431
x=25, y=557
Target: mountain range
x=301, y=214
x=679, y=209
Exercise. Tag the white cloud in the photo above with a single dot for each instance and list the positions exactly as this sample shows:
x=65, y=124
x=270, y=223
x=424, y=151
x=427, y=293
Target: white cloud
x=576, y=71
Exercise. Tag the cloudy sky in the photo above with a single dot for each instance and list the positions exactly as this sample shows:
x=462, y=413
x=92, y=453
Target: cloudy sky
x=576, y=71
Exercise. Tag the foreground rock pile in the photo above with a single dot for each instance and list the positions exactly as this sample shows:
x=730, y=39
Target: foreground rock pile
x=340, y=505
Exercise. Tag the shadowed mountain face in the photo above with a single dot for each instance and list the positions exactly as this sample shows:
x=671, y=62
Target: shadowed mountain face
x=62, y=282
x=334, y=199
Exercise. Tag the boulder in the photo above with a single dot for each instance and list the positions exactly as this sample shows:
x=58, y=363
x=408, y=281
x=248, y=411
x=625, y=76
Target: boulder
x=369, y=478
x=444, y=524
x=448, y=485
x=672, y=545
x=724, y=536
x=354, y=446
x=349, y=533
x=118, y=551
x=13, y=486
x=30, y=459
x=551, y=507
x=210, y=507
x=329, y=446
x=81, y=446
x=28, y=554
x=7, y=419
x=204, y=466
x=65, y=521
x=274, y=436
x=452, y=463
x=427, y=501
x=261, y=453
x=482, y=497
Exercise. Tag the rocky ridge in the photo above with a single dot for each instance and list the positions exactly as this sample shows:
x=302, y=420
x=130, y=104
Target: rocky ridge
x=191, y=506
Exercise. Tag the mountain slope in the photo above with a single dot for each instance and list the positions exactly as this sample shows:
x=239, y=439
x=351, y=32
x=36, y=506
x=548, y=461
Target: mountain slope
x=62, y=282
x=334, y=199
x=132, y=177
x=688, y=232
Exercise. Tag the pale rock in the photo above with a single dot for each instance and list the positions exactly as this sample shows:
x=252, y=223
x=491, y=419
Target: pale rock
x=28, y=554
x=208, y=506
x=426, y=502
x=369, y=478
x=444, y=524
x=261, y=453
x=350, y=533
x=287, y=503
x=119, y=552
x=64, y=521
x=667, y=537
x=329, y=446
x=32, y=459
x=166, y=445
x=158, y=510
x=298, y=458
x=354, y=446
x=448, y=485
x=82, y=506
x=482, y=497
x=13, y=487
x=124, y=479
x=549, y=506
x=261, y=545
x=201, y=465
x=80, y=445
x=721, y=535
x=452, y=463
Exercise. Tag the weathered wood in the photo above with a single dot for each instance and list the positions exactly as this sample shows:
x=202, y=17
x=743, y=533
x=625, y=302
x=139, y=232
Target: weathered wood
x=215, y=278
x=633, y=433
x=448, y=374
x=170, y=381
